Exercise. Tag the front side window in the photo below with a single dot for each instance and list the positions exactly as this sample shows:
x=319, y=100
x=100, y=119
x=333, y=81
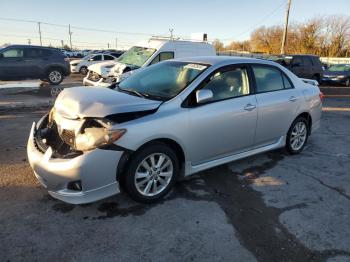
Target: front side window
x=267, y=79
x=15, y=52
x=96, y=58
x=136, y=56
x=228, y=84
x=162, y=81
x=108, y=57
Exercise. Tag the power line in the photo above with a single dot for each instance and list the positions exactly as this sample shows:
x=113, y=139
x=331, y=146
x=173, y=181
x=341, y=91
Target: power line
x=76, y=27
x=257, y=24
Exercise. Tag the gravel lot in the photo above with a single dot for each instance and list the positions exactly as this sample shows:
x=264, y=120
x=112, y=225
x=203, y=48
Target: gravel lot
x=270, y=207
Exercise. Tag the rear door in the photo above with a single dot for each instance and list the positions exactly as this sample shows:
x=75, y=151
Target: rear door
x=297, y=66
x=226, y=124
x=35, y=61
x=277, y=102
x=12, y=65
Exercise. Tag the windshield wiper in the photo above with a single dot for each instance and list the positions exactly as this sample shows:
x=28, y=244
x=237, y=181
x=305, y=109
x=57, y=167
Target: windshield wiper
x=130, y=91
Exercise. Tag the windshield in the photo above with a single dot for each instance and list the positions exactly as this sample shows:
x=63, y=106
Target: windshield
x=164, y=80
x=136, y=56
x=339, y=68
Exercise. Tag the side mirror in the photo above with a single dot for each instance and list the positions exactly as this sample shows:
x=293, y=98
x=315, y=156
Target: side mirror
x=1, y=55
x=203, y=96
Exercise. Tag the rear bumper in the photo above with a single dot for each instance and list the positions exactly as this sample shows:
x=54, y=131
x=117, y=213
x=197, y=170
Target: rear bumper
x=96, y=170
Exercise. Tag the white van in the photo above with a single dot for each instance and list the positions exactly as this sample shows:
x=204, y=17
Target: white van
x=144, y=54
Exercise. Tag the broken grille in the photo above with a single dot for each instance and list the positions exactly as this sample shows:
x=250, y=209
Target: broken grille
x=68, y=137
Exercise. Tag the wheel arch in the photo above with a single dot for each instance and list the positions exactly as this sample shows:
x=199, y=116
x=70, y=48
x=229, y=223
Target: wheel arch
x=308, y=117
x=127, y=155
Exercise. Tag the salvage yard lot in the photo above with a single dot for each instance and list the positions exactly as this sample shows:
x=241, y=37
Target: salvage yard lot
x=270, y=207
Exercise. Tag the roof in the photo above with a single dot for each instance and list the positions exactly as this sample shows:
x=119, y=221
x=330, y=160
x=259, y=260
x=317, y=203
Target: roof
x=36, y=46
x=222, y=60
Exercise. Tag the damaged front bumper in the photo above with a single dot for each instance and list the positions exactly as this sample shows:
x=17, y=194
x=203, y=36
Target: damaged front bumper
x=78, y=179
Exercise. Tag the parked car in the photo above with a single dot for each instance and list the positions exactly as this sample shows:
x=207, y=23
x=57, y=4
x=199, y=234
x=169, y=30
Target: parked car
x=169, y=120
x=18, y=62
x=144, y=54
x=337, y=74
x=81, y=65
x=304, y=66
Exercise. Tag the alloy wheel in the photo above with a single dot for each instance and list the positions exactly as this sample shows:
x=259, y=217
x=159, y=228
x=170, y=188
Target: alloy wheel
x=55, y=76
x=154, y=174
x=298, y=136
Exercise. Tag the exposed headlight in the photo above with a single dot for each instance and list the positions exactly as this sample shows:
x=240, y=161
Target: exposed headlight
x=94, y=137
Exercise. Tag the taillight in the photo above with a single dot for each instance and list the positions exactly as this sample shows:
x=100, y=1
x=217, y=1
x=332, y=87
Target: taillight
x=321, y=96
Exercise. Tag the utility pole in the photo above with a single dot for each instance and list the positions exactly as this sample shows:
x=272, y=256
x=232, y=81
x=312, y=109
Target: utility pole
x=284, y=39
x=171, y=30
x=70, y=37
x=62, y=43
x=108, y=45
x=116, y=43
x=29, y=41
x=41, y=42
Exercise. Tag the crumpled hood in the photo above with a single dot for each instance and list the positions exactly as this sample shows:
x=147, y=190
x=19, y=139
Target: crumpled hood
x=80, y=102
x=101, y=68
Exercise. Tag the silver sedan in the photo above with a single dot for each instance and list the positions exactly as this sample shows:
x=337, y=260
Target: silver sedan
x=168, y=121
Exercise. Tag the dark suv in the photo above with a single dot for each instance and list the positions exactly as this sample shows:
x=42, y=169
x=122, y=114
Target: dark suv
x=304, y=66
x=18, y=62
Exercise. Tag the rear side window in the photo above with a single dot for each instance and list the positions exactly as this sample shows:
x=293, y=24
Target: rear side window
x=36, y=52
x=307, y=61
x=162, y=57
x=228, y=84
x=15, y=52
x=269, y=79
x=297, y=61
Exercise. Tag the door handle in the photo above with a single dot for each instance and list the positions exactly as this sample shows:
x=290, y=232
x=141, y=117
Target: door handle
x=293, y=99
x=249, y=107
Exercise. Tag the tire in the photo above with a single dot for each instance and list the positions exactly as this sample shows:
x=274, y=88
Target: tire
x=153, y=182
x=83, y=70
x=55, y=76
x=297, y=136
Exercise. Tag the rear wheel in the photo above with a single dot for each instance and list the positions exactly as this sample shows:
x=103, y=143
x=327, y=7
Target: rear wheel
x=151, y=173
x=297, y=135
x=55, y=76
x=83, y=70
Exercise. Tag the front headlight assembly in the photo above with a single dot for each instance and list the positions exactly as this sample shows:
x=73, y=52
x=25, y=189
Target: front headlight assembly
x=94, y=137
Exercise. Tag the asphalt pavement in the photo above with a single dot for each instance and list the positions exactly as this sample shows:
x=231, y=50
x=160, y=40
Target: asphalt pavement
x=270, y=207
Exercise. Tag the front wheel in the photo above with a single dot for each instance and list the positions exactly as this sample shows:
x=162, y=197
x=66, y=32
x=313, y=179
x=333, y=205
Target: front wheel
x=297, y=136
x=83, y=70
x=55, y=76
x=151, y=173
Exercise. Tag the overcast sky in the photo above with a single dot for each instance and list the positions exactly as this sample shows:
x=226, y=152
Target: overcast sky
x=223, y=19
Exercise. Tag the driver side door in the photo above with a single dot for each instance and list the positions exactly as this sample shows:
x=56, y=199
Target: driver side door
x=12, y=64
